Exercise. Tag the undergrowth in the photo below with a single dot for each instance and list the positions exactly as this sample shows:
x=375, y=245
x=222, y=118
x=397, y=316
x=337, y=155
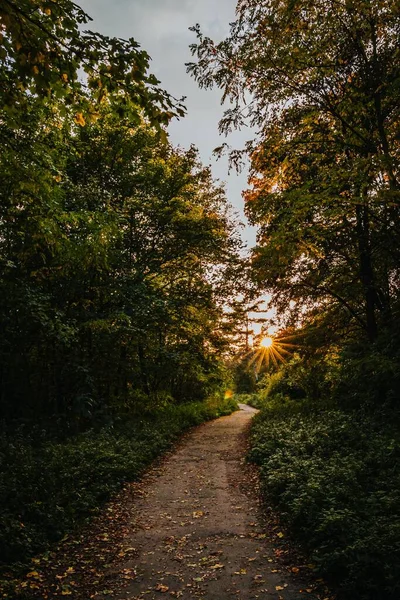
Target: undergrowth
x=334, y=476
x=46, y=490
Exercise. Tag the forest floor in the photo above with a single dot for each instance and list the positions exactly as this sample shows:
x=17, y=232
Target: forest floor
x=193, y=527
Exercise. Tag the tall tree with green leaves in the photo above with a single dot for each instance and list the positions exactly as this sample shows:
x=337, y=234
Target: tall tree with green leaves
x=320, y=83
x=116, y=250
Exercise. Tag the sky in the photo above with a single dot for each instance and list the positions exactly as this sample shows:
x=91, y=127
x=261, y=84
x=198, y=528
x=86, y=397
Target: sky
x=162, y=29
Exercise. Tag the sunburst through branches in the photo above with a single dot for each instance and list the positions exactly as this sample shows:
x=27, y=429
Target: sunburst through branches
x=273, y=350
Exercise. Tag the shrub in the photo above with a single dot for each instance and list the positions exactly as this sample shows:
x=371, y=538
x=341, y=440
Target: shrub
x=313, y=377
x=334, y=478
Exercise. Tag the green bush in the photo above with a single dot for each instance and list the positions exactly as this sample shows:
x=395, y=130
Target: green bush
x=335, y=479
x=313, y=377
x=47, y=489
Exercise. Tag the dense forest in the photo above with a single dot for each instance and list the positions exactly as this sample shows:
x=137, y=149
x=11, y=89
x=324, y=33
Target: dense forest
x=126, y=294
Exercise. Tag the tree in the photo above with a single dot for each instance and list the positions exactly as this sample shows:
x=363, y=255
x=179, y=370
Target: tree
x=320, y=82
x=44, y=52
x=116, y=250
x=173, y=241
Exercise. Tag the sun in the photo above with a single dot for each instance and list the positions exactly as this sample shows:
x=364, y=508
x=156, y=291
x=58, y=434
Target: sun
x=272, y=349
x=266, y=342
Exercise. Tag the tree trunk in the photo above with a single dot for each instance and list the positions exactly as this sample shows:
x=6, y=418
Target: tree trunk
x=366, y=270
x=143, y=374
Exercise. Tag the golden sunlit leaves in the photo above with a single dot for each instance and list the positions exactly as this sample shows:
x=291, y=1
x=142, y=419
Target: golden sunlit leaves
x=79, y=119
x=93, y=117
x=33, y=574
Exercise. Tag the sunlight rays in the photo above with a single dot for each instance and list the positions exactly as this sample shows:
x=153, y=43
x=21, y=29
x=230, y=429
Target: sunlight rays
x=271, y=350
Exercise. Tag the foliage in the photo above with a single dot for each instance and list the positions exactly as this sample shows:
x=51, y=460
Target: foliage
x=333, y=477
x=245, y=378
x=369, y=378
x=324, y=185
x=49, y=488
x=319, y=82
x=309, y=376
x=249, y=399
x=44, y=52
x=116, y=250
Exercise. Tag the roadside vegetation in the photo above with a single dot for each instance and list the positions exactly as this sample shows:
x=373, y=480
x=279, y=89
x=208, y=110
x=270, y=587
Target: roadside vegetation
x=327, y=441
x=331, y=472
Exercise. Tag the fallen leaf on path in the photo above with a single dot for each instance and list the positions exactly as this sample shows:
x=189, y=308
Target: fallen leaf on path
x=33, y=574
x=34, y=586
x=217, y=566
x=161, y=588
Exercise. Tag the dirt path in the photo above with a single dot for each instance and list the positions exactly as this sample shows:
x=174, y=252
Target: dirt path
x=194, y=531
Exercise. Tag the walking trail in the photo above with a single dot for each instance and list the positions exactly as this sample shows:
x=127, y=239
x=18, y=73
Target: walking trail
x=195, y=531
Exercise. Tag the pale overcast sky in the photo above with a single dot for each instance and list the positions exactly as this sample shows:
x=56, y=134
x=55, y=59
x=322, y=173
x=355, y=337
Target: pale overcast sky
x=161, y=27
